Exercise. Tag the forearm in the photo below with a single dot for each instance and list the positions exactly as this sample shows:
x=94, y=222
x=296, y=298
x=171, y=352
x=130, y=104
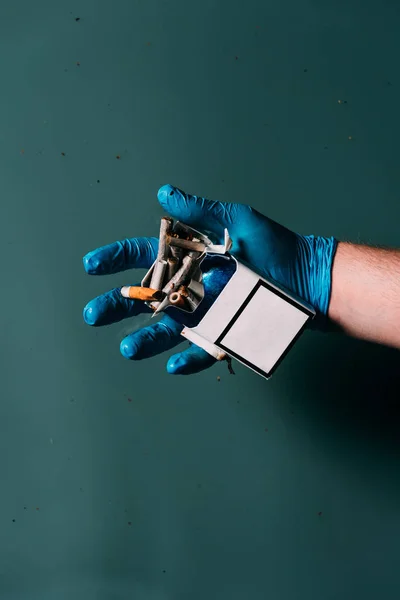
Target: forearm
x=365, y=296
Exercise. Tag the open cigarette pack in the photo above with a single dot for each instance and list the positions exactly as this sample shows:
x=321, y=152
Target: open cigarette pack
x=252, y=319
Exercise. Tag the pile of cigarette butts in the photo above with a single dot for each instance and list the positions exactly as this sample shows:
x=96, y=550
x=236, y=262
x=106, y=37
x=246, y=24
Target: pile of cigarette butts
x=175, y=278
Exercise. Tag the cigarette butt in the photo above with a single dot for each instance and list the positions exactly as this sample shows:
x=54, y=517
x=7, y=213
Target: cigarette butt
x=172, y=268
x=176, y=252
x=147, y=278
x=183, y=298
x=198, y=256
x=189, y=298
x=157, y=278
x=182, y=230
x=141, y=293
x=177, y=299
x=185, y=244
x=165, y=227
x=184, y=272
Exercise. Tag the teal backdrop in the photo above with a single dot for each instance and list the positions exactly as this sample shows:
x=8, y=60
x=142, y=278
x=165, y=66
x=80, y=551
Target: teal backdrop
x=119, y=481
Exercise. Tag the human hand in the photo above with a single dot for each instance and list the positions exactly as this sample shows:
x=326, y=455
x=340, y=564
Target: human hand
x=302, y=264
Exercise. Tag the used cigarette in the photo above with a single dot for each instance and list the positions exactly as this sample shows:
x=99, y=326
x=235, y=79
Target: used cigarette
x=147, y=278
x=182, y=230
x=188, y=264
x=186, y=244
x=176, y=252
x=157, y=278
x=141, y=293
x=184, y=272
x=183, y=298
x=177, y=299
x=172, y=268
x=160, y=268
x=190, y=299
x=165, y=227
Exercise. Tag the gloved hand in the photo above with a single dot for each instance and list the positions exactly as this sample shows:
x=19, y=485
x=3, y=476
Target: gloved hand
x=302, y=264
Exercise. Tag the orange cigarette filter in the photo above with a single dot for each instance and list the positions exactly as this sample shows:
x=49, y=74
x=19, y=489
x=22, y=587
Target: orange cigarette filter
x=141, y=293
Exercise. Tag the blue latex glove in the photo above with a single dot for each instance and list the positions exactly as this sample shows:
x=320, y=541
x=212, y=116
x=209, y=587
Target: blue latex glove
x=302, y=264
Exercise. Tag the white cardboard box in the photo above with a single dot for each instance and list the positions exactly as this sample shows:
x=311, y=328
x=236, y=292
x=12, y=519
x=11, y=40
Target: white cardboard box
x=253, y=321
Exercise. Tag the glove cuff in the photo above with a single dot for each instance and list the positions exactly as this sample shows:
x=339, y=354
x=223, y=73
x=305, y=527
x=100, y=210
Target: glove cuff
x=317, y=258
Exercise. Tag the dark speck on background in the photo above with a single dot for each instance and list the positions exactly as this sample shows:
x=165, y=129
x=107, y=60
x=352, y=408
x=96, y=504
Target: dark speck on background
x=266, y=429
x=78, y=64
x=236, y=58
x=98, y=181
x=164, y=571
x=24, y=507
x=13, y=520
x=77, y=18
x=129, y=399
x=129, y=522
x=118, y=157
x=305, y=70
x=320, y=513
x=62, y=153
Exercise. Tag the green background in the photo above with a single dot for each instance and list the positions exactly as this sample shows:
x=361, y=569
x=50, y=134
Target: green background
x=156, y=487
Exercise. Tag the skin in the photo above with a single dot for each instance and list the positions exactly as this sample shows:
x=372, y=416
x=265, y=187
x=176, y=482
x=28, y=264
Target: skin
x=365, y=296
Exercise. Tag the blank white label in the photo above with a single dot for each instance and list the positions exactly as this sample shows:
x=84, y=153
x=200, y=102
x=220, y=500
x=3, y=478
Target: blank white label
x=264, y=329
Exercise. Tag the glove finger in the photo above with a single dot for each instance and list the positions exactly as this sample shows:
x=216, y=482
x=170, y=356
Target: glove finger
x=152, y=340
x=192, y=360
x=139, y=253
x=111, y=307
x=200, y=213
